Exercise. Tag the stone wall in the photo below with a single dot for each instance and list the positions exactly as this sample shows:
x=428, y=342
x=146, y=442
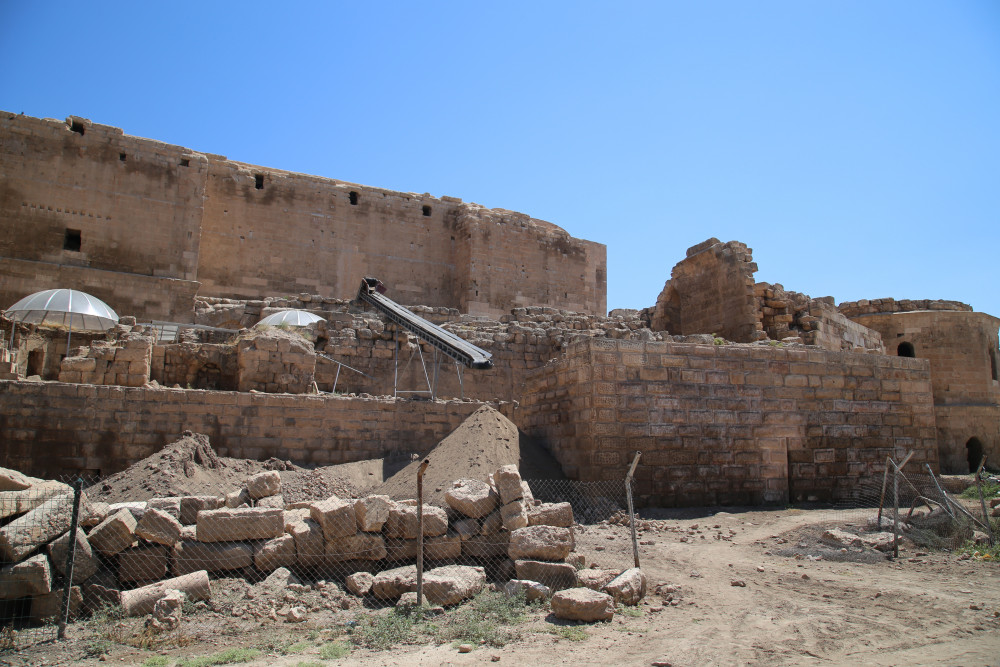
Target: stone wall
x=721, y=424
x=711, y=291
x=53, y=429
x=125, y=361
x=796, y=317
x=890, y=305
x=962, y=349
x=79, y=194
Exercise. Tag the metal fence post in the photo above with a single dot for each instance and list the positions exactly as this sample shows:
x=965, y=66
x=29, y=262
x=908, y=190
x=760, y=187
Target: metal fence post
x=895, y=511
x=631, y=509
x=420, y=531
x=982, y=501
x=74, y=524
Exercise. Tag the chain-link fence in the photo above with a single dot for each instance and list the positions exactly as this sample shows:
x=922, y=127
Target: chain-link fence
x=149, y=570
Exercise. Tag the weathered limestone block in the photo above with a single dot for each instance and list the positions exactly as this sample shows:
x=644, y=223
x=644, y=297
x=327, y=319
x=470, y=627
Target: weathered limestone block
x=30, y=577
x=98, y=512
x=171, y=506
x=272, y=501
x=583, y=604
x=140, y=601
x=213, y=557
x=48, y=607
x=264, y=484
x=556, y=576
x=492, y=524
x=143, y=563
x=237, y=498
x=360, y=546
x=450, y=584
x=486, y=546
x=272, y=554
x=594, y=578
x=514, y=515
x=399, y=549
x=241, y=523
x=27, y=533
x=403, y=521
x=390, y=584
x=551, y=514
x=508, y=483
x=372, y=512
x=13, y=503
x=335, y=516
x=114, y=534
x=159, y=527
x=191, y=505
x=278, y=582
x=443, y=547
x=167, y=611
x=85, y=564
x=12, y=480
x=310, y=545
x=465, y=528
x=540, y=543
x=359, y=583
x=532, y=590
x=471, y=497
x=628, y=588
x=136, y=508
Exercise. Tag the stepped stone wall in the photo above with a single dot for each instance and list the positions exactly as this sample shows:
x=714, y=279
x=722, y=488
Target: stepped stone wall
x=730, y=424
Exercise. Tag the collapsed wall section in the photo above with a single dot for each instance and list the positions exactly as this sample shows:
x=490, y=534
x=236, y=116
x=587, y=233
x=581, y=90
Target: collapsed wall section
x=729, y=424
x=53, y=429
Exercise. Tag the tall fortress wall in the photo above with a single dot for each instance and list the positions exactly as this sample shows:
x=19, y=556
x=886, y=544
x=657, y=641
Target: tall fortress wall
x=146, y=225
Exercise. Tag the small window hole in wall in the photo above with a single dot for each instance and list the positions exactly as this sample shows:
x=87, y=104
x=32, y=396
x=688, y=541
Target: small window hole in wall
x=77, y=126
x=122, y=157
x=72, y=240
x=36, y=362
x=185, y=162
x=427, y=211
x=905, y=350
x=354, y=198
x=993, y=364
x=974, y=453
x=258, y=181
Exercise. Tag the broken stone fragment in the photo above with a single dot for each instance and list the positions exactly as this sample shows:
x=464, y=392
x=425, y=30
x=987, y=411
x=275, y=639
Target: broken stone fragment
x=275, y=553
x=241, y=523
x=359, y=583
x=264, y=484
x=402, y=521
x=48, y=608
x=360, y=546
x=540, y=543
x=272, y=501
x=213, y=557
x=595, y=578
x=85, y=564
x=390, y=584
x=17, y=502
x=140, y=601
x=443, y=547
x=583, y=604
x=514, y=515
x=143, y=563
x=159, y=527
x=191, y=505
x=335, y=517
x=551, y=514
x=508, y=483
x=556, y=576
x=451, y=584
x=114, y=534
x=171, y=506
x=372, y=512
x=12, y=480
x=472, y=497
x=30, y=577
x=628, y=588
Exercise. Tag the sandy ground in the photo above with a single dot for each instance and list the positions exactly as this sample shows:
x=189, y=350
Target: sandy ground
x=925, y=608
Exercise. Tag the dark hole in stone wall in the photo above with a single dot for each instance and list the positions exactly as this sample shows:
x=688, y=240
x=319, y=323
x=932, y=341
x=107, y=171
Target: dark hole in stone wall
x=427, y=211
x=354, y=198
x=906, y=350
x=72, y=240
x=77, y=126
x=975, y=453
x=258, y=181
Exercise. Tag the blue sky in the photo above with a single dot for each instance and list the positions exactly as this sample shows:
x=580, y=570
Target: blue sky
x=855, y=146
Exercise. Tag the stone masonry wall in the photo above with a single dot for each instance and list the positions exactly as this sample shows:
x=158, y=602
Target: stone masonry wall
x=53, y=429
x=796, y=317
x=84, y=195
x=720, y=424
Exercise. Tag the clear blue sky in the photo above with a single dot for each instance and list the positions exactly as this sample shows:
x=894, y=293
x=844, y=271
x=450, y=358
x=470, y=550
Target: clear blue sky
x=855, y=146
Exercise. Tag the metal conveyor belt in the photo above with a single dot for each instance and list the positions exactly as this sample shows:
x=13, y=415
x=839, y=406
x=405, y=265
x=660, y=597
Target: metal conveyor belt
x=372, y=293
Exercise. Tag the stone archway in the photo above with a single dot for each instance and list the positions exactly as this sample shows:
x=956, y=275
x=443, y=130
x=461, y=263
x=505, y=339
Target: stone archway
x=974, y=455
x=905, y=349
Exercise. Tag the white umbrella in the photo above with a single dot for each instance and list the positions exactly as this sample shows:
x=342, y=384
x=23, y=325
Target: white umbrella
x=291, y=318
x=70, y=308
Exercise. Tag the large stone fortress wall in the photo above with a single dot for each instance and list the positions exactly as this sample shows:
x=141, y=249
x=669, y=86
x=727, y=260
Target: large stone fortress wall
x=142, y=223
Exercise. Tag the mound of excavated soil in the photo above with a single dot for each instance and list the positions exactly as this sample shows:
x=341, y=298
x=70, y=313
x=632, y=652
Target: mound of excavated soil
x=190, y=467
x=481, y=444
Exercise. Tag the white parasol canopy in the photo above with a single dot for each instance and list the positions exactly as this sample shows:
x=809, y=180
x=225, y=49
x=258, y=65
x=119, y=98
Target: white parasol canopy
x=290, y=318
x=70, y=308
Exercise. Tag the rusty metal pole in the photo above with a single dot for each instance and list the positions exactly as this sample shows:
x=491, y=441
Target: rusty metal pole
x=982, y=501
x=420, y=531
x=881, y=498
x=631, y=509
x=74, y=524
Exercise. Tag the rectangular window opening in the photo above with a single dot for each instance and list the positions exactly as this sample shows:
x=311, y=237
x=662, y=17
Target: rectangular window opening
x=185, y=162
x=123, y=157
x=72, y=240
x=76, y=126
x=427, y=211
x=354, y=198
x=258, y=181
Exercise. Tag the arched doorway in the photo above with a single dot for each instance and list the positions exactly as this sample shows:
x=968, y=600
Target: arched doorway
x=906, y=350
x=975, y=453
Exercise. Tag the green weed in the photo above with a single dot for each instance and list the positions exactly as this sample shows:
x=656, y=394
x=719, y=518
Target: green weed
x=228, y=657
x=334, y=651
x=990, y=490
x=488, y=619
x=156, y=661
x=383, y=631
x=570, y=632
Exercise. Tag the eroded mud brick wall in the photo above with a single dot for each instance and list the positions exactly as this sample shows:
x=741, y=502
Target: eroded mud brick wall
x=729, y=424
x=53, y=429
x=961, y=347
x=85, y=206
x=114, y=207
x=711, y=291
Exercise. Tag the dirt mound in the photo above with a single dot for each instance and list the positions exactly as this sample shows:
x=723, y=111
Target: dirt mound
x=481, y=444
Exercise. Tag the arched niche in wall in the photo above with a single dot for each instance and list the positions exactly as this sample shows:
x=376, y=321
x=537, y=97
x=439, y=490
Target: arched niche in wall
x=974, y=454
x=905, y=349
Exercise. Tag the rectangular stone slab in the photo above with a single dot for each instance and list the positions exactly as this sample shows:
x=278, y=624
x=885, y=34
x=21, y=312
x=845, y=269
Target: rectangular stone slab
x=241, y=523
x=26, y=534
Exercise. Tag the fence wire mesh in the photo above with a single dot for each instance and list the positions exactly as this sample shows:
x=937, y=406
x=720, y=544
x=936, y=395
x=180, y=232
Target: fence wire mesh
x=151, y=570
